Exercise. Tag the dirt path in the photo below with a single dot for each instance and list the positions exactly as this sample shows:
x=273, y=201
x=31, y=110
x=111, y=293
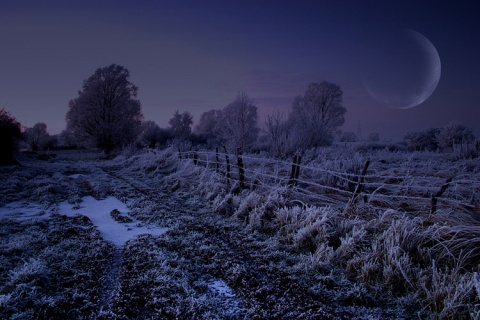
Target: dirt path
x=212, y=247
x=110, y=282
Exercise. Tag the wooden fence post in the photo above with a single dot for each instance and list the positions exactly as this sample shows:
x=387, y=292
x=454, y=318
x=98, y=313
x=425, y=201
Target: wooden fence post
x=297, y=170
x=217, y=162
x=195, y=158
x=295, y=173
x=179, y=154
x=241, y=172
x=227, y=160
x=292, y=173
x=440, y=192
x=358, y=189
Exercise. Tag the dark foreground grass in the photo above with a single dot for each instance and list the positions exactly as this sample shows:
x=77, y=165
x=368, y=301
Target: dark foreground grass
x=51, y=269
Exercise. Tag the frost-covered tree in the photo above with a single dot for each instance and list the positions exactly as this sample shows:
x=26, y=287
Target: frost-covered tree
x=106, y=113
x=181, y=125
x=150, y=133
x=37, y=137
x=9, y=133
x=239, y=122
x=66, y=140
x=276, y=129
x=316, y=115
x=209, y=127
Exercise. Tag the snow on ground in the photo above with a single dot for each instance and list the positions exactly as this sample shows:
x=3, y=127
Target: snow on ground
x=225, y=293
x=75, y=176
x=220, y=287
x=98, y=211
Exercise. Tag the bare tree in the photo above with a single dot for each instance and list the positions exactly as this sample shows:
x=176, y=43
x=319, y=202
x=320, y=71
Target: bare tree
x=181, y=125
x=276, y=129
x=67, y=140
x=106, y=113
x=150, y=133
x=239, y=122
x=37, y=137
x=9, y=133
x=316, y=115
x=209, y=127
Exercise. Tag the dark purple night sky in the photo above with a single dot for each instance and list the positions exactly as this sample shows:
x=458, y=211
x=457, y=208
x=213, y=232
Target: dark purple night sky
x=196, y=55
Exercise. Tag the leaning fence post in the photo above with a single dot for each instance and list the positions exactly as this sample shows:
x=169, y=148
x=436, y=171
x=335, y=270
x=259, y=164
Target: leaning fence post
x=440, y=192
x=195, y=158
x=358, y=189
x=241, y=172
x=297, y=169
x=292, y=173
x=217, y=164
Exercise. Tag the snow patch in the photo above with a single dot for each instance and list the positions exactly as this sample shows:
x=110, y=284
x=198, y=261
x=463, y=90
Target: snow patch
x=98, y=211
x=75, y=176
x=218, y=286
x=225, y=294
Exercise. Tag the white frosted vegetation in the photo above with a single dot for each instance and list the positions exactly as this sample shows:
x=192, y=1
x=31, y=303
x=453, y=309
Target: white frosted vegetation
x=387, y=249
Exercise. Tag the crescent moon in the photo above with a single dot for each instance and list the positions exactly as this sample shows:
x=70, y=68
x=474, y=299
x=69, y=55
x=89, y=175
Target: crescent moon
x=404, y=70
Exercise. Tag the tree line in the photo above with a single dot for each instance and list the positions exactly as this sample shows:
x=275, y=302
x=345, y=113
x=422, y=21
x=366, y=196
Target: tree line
x=106, y=114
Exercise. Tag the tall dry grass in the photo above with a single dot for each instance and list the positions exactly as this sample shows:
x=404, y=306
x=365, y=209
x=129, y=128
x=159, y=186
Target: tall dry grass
x=387, y=251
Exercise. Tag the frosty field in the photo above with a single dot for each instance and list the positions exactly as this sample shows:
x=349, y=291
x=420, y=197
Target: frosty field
x=153, y=236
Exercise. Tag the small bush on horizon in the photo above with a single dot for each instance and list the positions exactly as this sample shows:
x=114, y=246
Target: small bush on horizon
x=439, y=139
x=463, y=151
x=454, y=134
x=377, y=146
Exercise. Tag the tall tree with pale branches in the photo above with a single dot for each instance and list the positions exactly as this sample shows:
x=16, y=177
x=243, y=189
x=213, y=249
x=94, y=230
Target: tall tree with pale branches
x=36, y=137
x=181, y=125
x=209, y=127
x=316, y=115
x=106, y=113
x=239, y=122
x=276, y=130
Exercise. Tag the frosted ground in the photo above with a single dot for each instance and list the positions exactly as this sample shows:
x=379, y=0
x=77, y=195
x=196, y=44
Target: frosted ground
x=151, y=236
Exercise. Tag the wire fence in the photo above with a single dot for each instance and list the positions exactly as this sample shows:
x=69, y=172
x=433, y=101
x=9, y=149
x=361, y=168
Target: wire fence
x=312, y=184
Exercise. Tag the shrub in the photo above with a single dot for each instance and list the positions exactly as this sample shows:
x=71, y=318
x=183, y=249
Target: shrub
x=454, y=134
x=348, y=137
x=423, y=140
x=466, y=150
x=9, y=134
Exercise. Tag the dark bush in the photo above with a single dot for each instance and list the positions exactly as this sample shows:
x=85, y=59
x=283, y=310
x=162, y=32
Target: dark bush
x=9, y=135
